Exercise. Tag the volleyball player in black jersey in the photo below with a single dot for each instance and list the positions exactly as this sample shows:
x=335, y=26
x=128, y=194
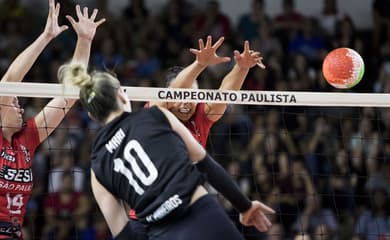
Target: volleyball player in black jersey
x=145, y=160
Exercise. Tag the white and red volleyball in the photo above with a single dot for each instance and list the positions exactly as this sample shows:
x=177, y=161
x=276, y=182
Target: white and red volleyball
x=343, y=68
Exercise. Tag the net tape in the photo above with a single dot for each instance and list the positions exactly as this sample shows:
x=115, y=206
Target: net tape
x=339, y=99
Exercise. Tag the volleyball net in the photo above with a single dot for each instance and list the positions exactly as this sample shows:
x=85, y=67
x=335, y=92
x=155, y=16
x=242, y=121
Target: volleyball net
x=321, y=160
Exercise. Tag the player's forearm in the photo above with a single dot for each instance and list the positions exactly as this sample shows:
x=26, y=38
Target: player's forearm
x=223, y=183
x=24, y=61
x=187, y=76
x=82, y=51
x=234, y=79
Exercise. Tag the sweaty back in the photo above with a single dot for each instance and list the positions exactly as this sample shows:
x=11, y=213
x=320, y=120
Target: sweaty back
x=140, y=159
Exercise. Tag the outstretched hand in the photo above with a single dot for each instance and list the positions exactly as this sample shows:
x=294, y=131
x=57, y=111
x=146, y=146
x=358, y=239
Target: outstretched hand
x=86, y=26
x=52, y=29
x=248, y=58
x=256, y=216
x=206, y=55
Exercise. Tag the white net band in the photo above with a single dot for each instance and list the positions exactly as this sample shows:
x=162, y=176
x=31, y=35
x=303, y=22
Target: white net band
x=46, y=90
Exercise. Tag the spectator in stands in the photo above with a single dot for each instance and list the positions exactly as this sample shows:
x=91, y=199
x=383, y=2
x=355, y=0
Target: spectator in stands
x=213, y=22
x=347, y=36
x=249, y=24
x=67, y=165
x=341, y=183
x=288, y=21
x=308, y=42
x=291, y=194
x=328, y=17
x=315, y=218
x=321, y=145
x=374, y=223
x=63, y=209
x=381, y=20
x=136, y=14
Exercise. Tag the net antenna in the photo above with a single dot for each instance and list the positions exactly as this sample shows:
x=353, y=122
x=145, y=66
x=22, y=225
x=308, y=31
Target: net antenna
x=337, y=99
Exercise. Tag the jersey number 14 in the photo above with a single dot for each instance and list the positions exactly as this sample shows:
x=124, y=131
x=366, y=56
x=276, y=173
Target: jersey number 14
x=135, y=171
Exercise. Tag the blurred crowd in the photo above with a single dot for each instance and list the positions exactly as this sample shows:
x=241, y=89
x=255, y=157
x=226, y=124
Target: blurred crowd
x=326, y=171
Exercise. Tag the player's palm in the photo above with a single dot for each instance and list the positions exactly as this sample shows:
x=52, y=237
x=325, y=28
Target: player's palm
x=248, y=58
x=206, y=54
x=256, y=216
x=52, y=29
x=86, y=26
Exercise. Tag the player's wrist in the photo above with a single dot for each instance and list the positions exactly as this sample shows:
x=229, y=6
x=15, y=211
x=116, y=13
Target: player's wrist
x=223, y=183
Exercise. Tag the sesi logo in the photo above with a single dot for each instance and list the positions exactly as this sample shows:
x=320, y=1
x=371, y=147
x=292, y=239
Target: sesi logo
x=16, y=175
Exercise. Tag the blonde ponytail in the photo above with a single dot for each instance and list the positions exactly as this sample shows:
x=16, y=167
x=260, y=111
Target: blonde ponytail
x=98, y=91
x=75, y=74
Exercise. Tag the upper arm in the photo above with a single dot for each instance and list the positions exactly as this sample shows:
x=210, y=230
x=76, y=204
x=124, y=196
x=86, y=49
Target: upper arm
x=112, y=208
x=195, y=150
x=51, y=116
x=215, y=111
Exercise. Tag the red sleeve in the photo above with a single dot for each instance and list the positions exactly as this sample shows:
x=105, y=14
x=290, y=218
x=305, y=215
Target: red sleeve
x=203, y=122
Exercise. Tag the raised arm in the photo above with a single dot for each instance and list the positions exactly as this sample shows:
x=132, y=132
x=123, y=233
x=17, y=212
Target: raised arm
x=53, y=113
x=205, y=56
x=251, y=213
x=114, y=212
x=24, y=61
x=235, y=78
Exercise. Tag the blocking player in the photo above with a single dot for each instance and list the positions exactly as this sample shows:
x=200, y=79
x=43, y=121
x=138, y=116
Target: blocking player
x=18, y=139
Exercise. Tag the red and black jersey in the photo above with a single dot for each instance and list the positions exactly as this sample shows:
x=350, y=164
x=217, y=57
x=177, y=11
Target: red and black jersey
x=16, y=180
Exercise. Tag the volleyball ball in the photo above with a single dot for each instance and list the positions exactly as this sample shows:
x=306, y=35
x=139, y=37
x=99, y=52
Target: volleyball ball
x=343, y=68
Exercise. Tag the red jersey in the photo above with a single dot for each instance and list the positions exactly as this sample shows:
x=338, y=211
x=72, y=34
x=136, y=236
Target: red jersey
x=199, y=124
x=16, y=179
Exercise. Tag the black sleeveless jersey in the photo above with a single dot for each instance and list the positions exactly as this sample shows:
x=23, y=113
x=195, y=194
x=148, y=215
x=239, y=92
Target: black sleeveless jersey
x=141, y=160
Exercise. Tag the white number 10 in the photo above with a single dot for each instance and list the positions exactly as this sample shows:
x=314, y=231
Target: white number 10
x=135, y=170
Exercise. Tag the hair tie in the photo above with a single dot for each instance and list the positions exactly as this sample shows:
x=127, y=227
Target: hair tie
x=91, y=96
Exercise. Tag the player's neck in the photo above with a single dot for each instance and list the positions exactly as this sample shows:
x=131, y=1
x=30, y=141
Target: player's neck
x=8, y=133
x=113, y=115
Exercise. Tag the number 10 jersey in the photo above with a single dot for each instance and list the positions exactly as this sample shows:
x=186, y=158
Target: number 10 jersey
x=141, y=160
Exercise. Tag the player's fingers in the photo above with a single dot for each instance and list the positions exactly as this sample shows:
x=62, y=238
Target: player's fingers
x=201, y=44
x=208, y=42
x=94, y=14
x=194, y=51
x=261, y=65
x=266, y=209
x=246, y=46
x=100, y=21
x=219, y=42
x=51, y=8
x=71, y=20
x=255, y=54
x=63, y=28
x=258, y=223
x=85, y=12
x=224, y=59
x=78, y=11
x=266, y=221
x=237, y=54
x=57, y=10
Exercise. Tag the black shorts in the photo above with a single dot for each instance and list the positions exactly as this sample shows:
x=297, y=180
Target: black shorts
x=205, y=220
